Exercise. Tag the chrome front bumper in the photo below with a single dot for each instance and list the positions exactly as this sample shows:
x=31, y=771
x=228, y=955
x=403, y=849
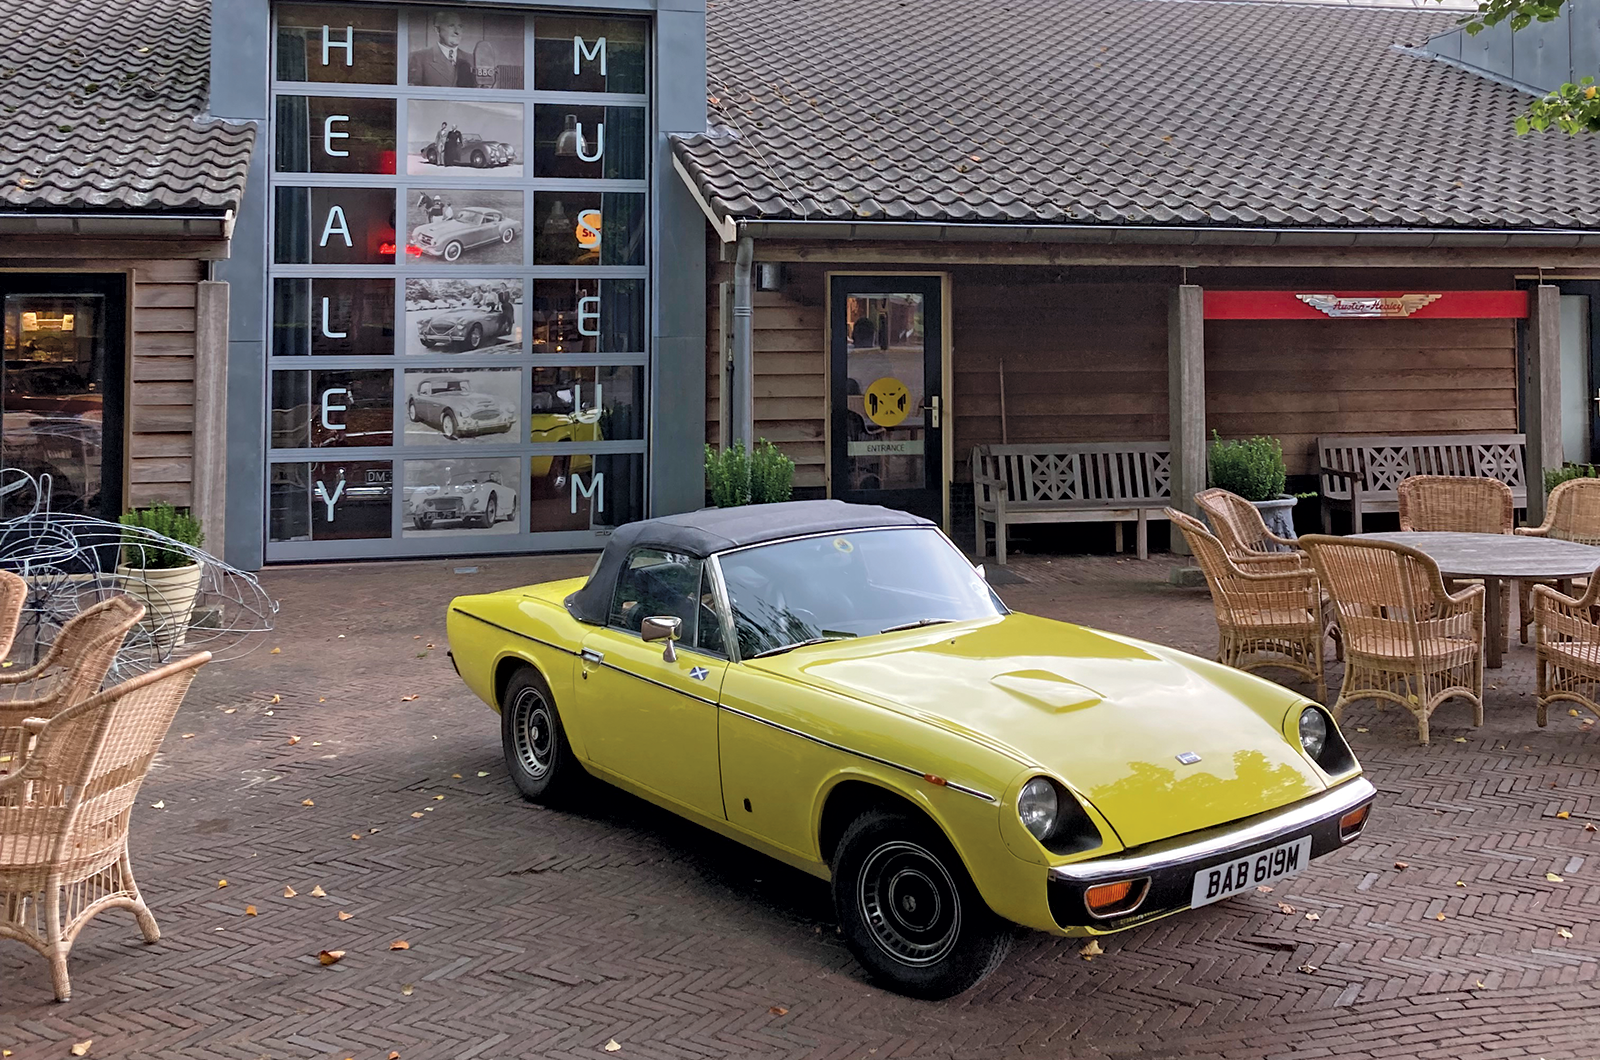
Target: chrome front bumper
x=1170, y=866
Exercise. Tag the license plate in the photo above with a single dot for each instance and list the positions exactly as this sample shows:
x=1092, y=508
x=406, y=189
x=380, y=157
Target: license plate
x=1254, y=870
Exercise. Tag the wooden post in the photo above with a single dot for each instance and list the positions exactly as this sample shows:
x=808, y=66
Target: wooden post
x=1186, y=397
x=1004, y=433
x=211, y=410
x=1543, y=400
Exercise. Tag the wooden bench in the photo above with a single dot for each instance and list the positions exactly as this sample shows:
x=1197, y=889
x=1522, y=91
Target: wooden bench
x=1362, y=475
x=1094, y=482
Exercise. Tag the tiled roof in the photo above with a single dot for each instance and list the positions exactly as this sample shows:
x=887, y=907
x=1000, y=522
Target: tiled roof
x=1117, y=112
x=99, y=104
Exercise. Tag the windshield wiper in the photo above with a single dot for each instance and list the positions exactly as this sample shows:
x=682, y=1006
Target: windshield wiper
x=918, y=623
x=796, y=644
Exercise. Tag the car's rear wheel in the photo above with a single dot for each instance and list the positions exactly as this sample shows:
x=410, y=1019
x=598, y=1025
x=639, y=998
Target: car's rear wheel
x=507, y=234
x=538, y=756
x=474, y=336
x=910, y=912
x=452, y=250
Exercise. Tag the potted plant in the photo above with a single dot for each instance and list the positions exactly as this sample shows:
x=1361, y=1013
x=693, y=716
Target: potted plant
x=761, y=476
x=165, y=579
x=1254, y=469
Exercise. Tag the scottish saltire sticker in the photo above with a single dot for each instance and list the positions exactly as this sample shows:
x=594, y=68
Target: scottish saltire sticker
x=699, y=673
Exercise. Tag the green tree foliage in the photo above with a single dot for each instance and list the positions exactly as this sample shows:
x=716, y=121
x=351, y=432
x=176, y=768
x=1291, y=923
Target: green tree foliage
x=1572, y=108
x=1251, y=467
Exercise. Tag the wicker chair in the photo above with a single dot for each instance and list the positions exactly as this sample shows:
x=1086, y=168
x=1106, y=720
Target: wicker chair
x=1243, y=533
x=1265, y=618
x=13, y=595
x=1572, y=513
x=1407, y=639
x=64, y=815
x=1567, y=646
x=71, y=671
x=1466, y=505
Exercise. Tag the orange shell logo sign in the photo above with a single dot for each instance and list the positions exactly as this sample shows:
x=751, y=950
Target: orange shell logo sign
x=588, y=229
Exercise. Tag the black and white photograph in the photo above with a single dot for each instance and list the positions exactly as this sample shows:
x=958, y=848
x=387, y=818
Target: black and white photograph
x=464, y=227
x=455, y=496
x=457, y=136
x=462, y=405
x=463, y=316
x=458, y=48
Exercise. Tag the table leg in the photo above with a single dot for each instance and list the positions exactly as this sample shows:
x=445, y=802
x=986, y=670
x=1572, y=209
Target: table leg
x=1493, y=635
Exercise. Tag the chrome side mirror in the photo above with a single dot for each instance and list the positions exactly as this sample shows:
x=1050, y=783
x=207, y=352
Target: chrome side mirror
x=981, y=572
x=663, y=627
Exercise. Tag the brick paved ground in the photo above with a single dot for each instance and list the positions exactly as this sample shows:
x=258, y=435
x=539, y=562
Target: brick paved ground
x=541, y=934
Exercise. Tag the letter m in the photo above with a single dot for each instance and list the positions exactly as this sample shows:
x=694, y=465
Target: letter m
x=592, y=491
x=580, y=52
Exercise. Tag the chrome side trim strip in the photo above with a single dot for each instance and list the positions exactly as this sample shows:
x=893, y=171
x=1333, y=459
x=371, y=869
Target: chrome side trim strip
x=659, y=684
x=513, y=632
x=858, y=754
x=1335, y=803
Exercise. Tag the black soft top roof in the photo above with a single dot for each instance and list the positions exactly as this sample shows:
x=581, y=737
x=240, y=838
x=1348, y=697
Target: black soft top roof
x=719, y=529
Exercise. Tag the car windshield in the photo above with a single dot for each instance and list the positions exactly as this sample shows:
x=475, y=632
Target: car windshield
x=855, y=584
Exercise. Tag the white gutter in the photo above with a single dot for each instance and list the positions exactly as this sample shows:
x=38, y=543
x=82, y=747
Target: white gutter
x=117, y=225
x=726, y=230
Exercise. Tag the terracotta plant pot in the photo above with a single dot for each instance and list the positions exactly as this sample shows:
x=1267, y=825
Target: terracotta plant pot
x=168, y=596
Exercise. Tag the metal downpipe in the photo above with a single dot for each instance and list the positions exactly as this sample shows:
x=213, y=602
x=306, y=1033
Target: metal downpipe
x=742, y=428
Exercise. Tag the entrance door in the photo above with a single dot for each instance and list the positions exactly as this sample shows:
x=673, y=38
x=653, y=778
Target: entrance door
x=885, y=380
x=61, y=390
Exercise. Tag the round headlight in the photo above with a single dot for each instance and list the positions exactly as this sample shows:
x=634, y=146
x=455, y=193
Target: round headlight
x=1038, y=807
x=1313, y=731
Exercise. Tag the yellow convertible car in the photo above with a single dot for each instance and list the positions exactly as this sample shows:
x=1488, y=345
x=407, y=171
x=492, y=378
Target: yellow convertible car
x=836, y=686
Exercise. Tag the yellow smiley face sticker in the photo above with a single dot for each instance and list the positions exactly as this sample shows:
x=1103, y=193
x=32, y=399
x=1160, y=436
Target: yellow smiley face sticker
x=888, y=401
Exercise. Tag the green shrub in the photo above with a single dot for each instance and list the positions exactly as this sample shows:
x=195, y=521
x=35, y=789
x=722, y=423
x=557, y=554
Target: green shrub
x=728, y=476
x=1557, y=475
x=140, y=551
x=771, y=474
x=1251, y=467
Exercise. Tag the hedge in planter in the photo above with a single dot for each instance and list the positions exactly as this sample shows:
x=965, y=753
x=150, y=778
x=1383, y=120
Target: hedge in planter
x=1251, y=467
x=165, y=579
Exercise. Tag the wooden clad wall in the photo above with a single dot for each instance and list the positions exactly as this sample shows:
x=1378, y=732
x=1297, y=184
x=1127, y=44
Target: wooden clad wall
x=1299, y=379
x=162, y=374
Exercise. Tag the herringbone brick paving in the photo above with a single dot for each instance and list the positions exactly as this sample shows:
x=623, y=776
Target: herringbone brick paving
x=541, y=934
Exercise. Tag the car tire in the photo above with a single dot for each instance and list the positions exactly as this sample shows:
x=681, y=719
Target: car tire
x=447, y=425
x=411, y=411
x=452, y=250
x=537, y=754
x=491, y=513
x=479, y=159
x=507, y=235
x=474, y=336
x=909, y=911
x=422, y=522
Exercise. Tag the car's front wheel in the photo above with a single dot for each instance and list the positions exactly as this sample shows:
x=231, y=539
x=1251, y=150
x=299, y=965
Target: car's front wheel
x=452, y=250
x=538, y=756
x=474, y=336
x=910, y=912
x=447, y=425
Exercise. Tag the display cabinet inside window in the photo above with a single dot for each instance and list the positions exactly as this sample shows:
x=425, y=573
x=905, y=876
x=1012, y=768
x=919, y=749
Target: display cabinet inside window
x=459, y=276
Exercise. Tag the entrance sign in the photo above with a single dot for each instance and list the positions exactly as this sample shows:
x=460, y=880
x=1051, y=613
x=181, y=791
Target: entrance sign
x=459, y=336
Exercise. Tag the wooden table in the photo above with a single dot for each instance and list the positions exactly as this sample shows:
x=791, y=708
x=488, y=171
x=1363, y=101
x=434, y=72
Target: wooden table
x=1493, y=557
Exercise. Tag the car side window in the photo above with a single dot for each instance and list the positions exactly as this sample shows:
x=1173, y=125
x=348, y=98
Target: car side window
x=656, y=582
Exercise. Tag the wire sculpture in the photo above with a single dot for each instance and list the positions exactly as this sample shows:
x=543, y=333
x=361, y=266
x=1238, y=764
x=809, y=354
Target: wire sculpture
x=193, y=600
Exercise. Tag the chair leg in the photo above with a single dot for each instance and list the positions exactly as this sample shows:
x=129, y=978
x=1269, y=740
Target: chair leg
x=141, y=911
x=983, y=546
x=1355, y=528
x=1541, y=714
x=1000, y=542
x=55, y=942
x=1142, y=537
x=1118, y=525
x=1327, y=519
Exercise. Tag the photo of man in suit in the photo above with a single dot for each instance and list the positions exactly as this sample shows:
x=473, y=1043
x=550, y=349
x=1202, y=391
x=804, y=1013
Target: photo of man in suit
x=444, y=63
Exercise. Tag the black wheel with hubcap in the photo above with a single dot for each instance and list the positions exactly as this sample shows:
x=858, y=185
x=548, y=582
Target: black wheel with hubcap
x=910, y=912
x=537, y=754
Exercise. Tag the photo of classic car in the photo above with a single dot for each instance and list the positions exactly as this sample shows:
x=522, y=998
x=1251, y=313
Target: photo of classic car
x=469, y=149
x=449, y=404
x=479, y=500
x=467, y=327
x=836, y=686
x=469, y=227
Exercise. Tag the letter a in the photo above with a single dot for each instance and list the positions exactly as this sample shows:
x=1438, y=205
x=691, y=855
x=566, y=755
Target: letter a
x=342, y=227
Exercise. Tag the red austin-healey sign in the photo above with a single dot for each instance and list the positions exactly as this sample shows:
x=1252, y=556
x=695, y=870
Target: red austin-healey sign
x=1364, y=305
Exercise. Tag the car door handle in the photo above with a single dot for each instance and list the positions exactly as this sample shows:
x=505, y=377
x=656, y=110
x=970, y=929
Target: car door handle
x=592, y=657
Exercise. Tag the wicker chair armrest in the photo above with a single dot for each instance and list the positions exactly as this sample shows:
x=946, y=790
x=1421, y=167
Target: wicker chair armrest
x=1286, y=542
x=1533, y=531
x=1555, y=600
x=1468, y=599
x=34, y=726
x=34, y=672
x=1272, y=561
x=1291, y=580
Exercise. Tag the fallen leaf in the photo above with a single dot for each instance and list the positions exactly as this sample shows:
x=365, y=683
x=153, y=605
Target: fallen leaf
x=1553, y=878
x=355, y=835
x=482, y=773
x=345, y=916
x=1590, y=827
x=231, y=710
x=438, y=798
x=399, y=944
x=1439, y=917
x=1313, y=917
x=1573, y=713
x=331, y=956
x=1461, y=739
x=1564, y=933
x=1461, y=883
x=417, y=637
x=293, y=740
x=318, y=892
x=1308, y=968
x=407, y=989
x=407, y=699
x=158, y=805
x=221, y=884
x=1478, y=983
x=81, y=1048
x=611, y=1045
x=1264, y=889
x=1402, y=865
x=778, y=1010
x=1090, y=950
x=372, y=831
x=276, y=698
x=249, y=910
x=322, y=699
x=1362, y=728
x=187, y=736
x=275, y=651
x=455, y=776
x=392, y=1056
x=289, y=892
x=307, y=802
x=1285, y=907
x=419, y=813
